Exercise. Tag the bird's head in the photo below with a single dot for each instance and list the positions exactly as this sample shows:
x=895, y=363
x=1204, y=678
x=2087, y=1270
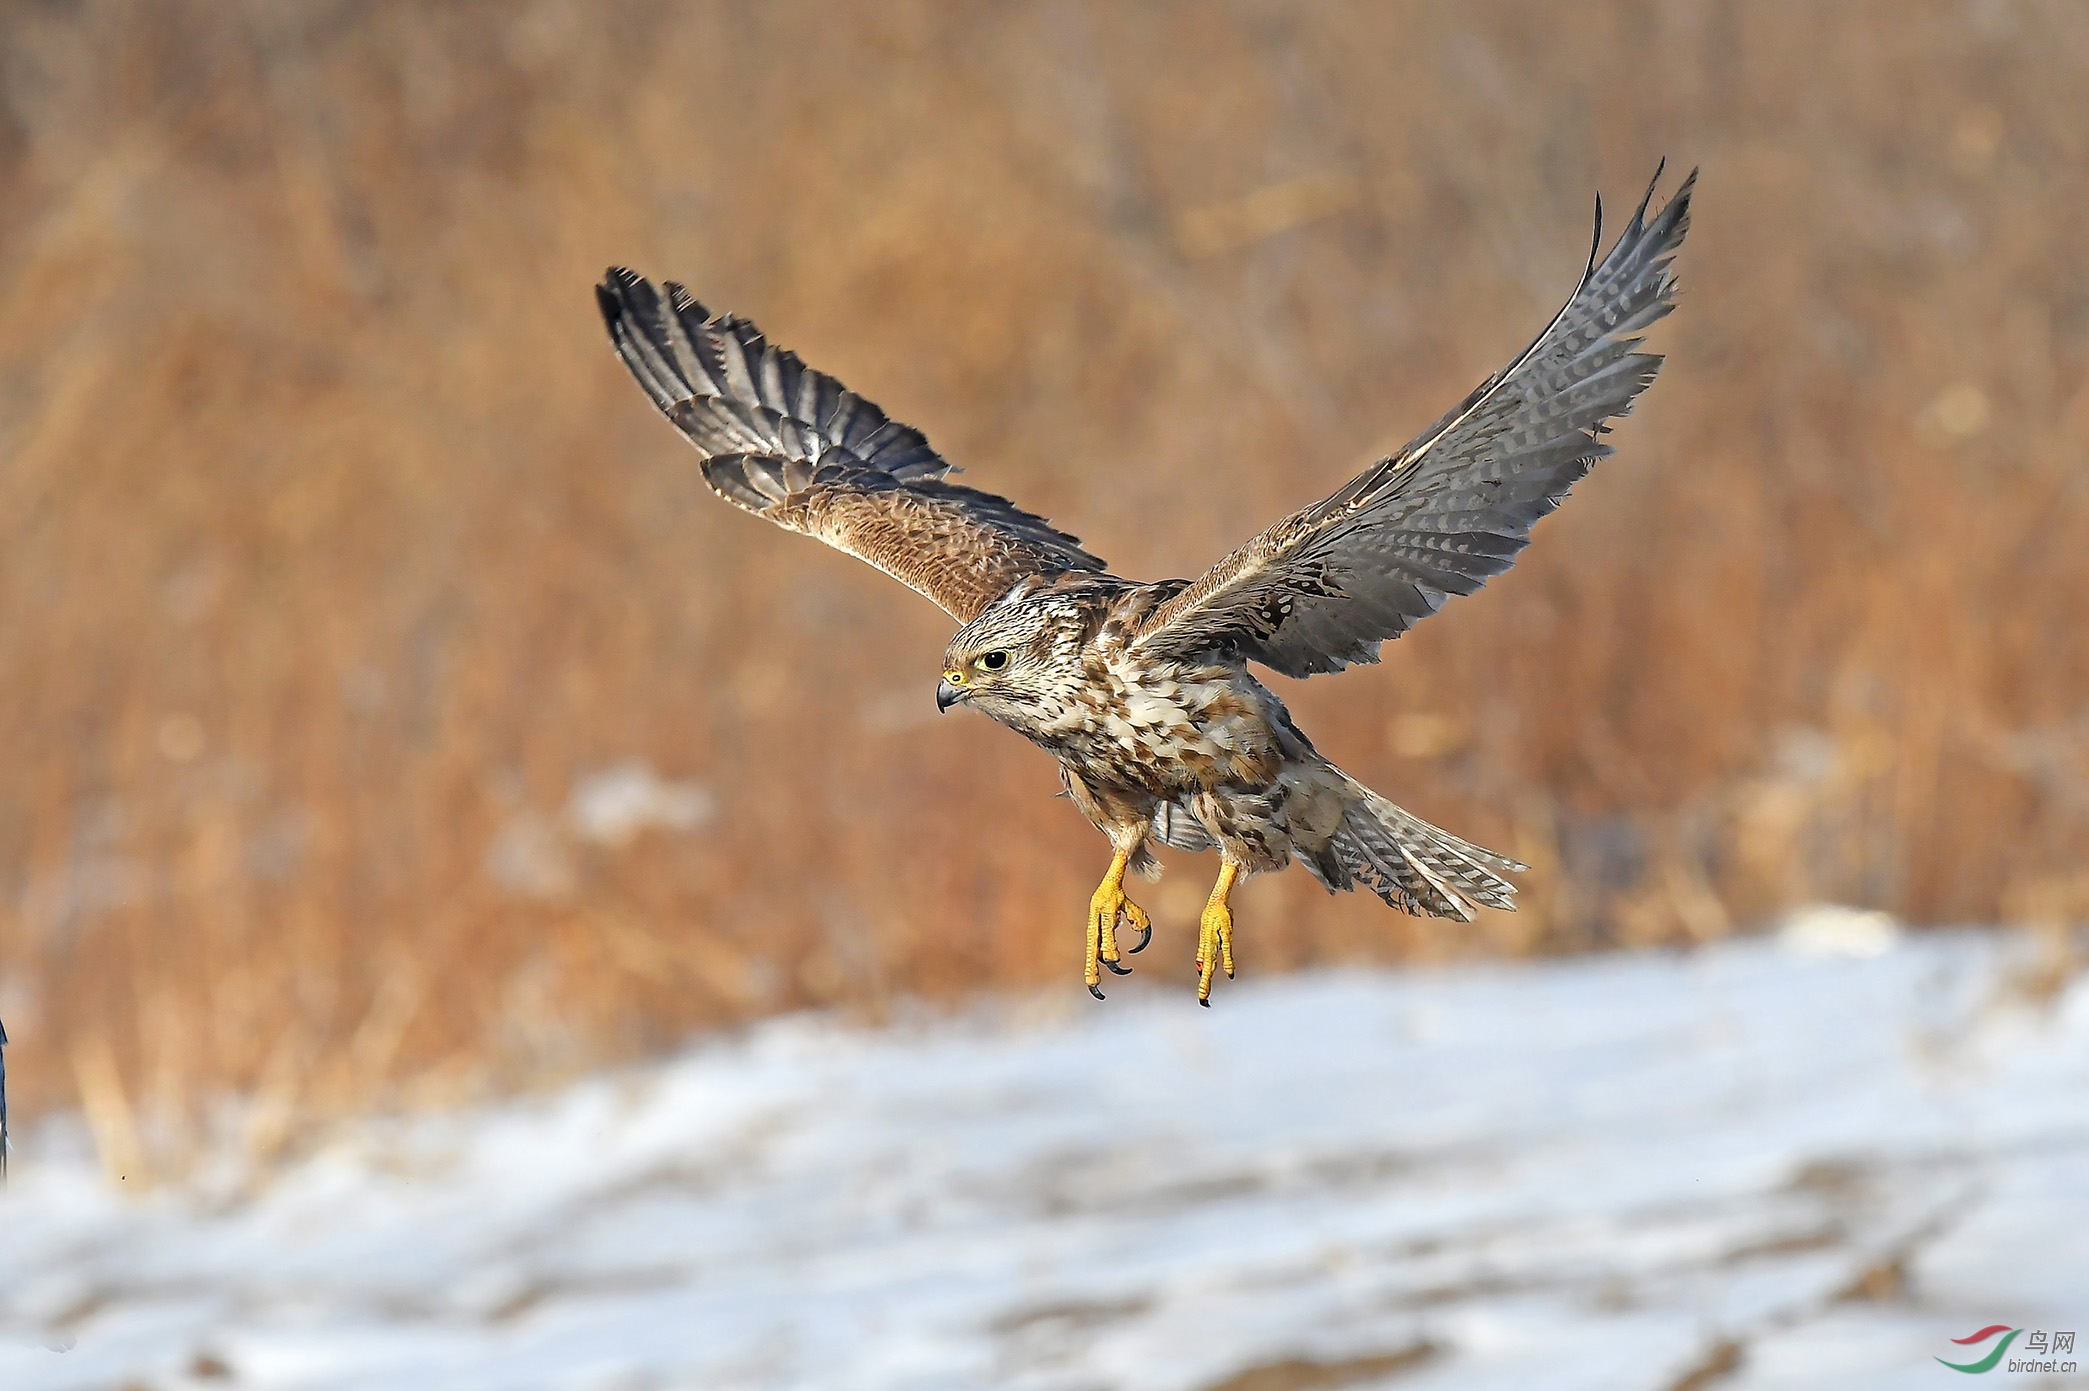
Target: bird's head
x=1016, y=662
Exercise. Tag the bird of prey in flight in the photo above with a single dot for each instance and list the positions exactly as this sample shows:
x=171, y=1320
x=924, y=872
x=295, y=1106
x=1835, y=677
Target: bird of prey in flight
x=1142, y=691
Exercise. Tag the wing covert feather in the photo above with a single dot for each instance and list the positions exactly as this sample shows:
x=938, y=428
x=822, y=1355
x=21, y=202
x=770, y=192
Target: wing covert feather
x=1323, y=587
x=794, y=446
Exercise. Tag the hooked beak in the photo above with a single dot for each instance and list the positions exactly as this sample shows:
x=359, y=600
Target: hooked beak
x=947, y=695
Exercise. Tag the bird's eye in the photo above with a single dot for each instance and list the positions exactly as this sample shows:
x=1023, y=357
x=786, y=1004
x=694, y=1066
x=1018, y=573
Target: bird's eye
x=994, y=661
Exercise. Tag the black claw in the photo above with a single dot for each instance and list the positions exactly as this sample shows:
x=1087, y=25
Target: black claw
x=1204, y=1002
x=1096, y=991
x=1145, y=936
x=1115, y=969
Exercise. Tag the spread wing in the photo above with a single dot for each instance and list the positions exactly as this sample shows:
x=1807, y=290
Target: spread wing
x=1325, y=586
x=792, y=445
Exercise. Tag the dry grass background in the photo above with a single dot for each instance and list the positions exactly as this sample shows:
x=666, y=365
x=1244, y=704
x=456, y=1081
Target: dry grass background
x=342, y=569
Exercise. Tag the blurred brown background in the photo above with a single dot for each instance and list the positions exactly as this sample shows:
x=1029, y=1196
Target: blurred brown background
x=390, y=713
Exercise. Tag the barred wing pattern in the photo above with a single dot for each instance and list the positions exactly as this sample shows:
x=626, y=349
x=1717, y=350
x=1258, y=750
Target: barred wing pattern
x=1325, y=586
x=792, y=445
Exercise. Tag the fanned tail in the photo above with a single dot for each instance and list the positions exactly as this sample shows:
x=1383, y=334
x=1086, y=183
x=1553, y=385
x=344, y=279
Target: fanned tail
x=1414, y=866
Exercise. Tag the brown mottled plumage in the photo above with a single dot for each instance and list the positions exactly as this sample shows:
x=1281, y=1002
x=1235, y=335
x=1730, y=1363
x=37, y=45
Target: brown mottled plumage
x=1142, y=691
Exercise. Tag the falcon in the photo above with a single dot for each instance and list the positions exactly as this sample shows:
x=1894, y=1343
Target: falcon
x=1143, y=691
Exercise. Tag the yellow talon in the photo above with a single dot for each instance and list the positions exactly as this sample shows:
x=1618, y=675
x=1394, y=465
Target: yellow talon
x=1215, y=933
x=1103, y=910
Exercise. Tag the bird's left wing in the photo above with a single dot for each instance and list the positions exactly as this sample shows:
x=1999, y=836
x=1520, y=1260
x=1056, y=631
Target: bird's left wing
x=1325, y=586
x=794, y=446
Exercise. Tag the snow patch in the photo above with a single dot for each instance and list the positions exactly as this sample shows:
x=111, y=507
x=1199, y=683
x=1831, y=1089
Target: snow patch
x=612, y=806
x=1615, y=1173
x=1835, y=929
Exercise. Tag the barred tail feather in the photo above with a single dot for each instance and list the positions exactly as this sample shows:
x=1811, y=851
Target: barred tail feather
x=1417, y=867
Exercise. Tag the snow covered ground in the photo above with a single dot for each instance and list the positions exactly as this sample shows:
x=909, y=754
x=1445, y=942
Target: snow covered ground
x=1750, y=1167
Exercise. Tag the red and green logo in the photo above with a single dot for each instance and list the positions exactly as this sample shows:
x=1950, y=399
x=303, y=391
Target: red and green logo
x=1987, y=1363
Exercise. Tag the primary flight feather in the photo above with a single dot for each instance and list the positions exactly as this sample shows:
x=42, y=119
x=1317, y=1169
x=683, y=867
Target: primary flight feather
x=1142, y=691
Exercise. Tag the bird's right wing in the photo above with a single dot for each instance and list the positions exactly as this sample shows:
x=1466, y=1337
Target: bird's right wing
x=792, y=445
x=1325, y=586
